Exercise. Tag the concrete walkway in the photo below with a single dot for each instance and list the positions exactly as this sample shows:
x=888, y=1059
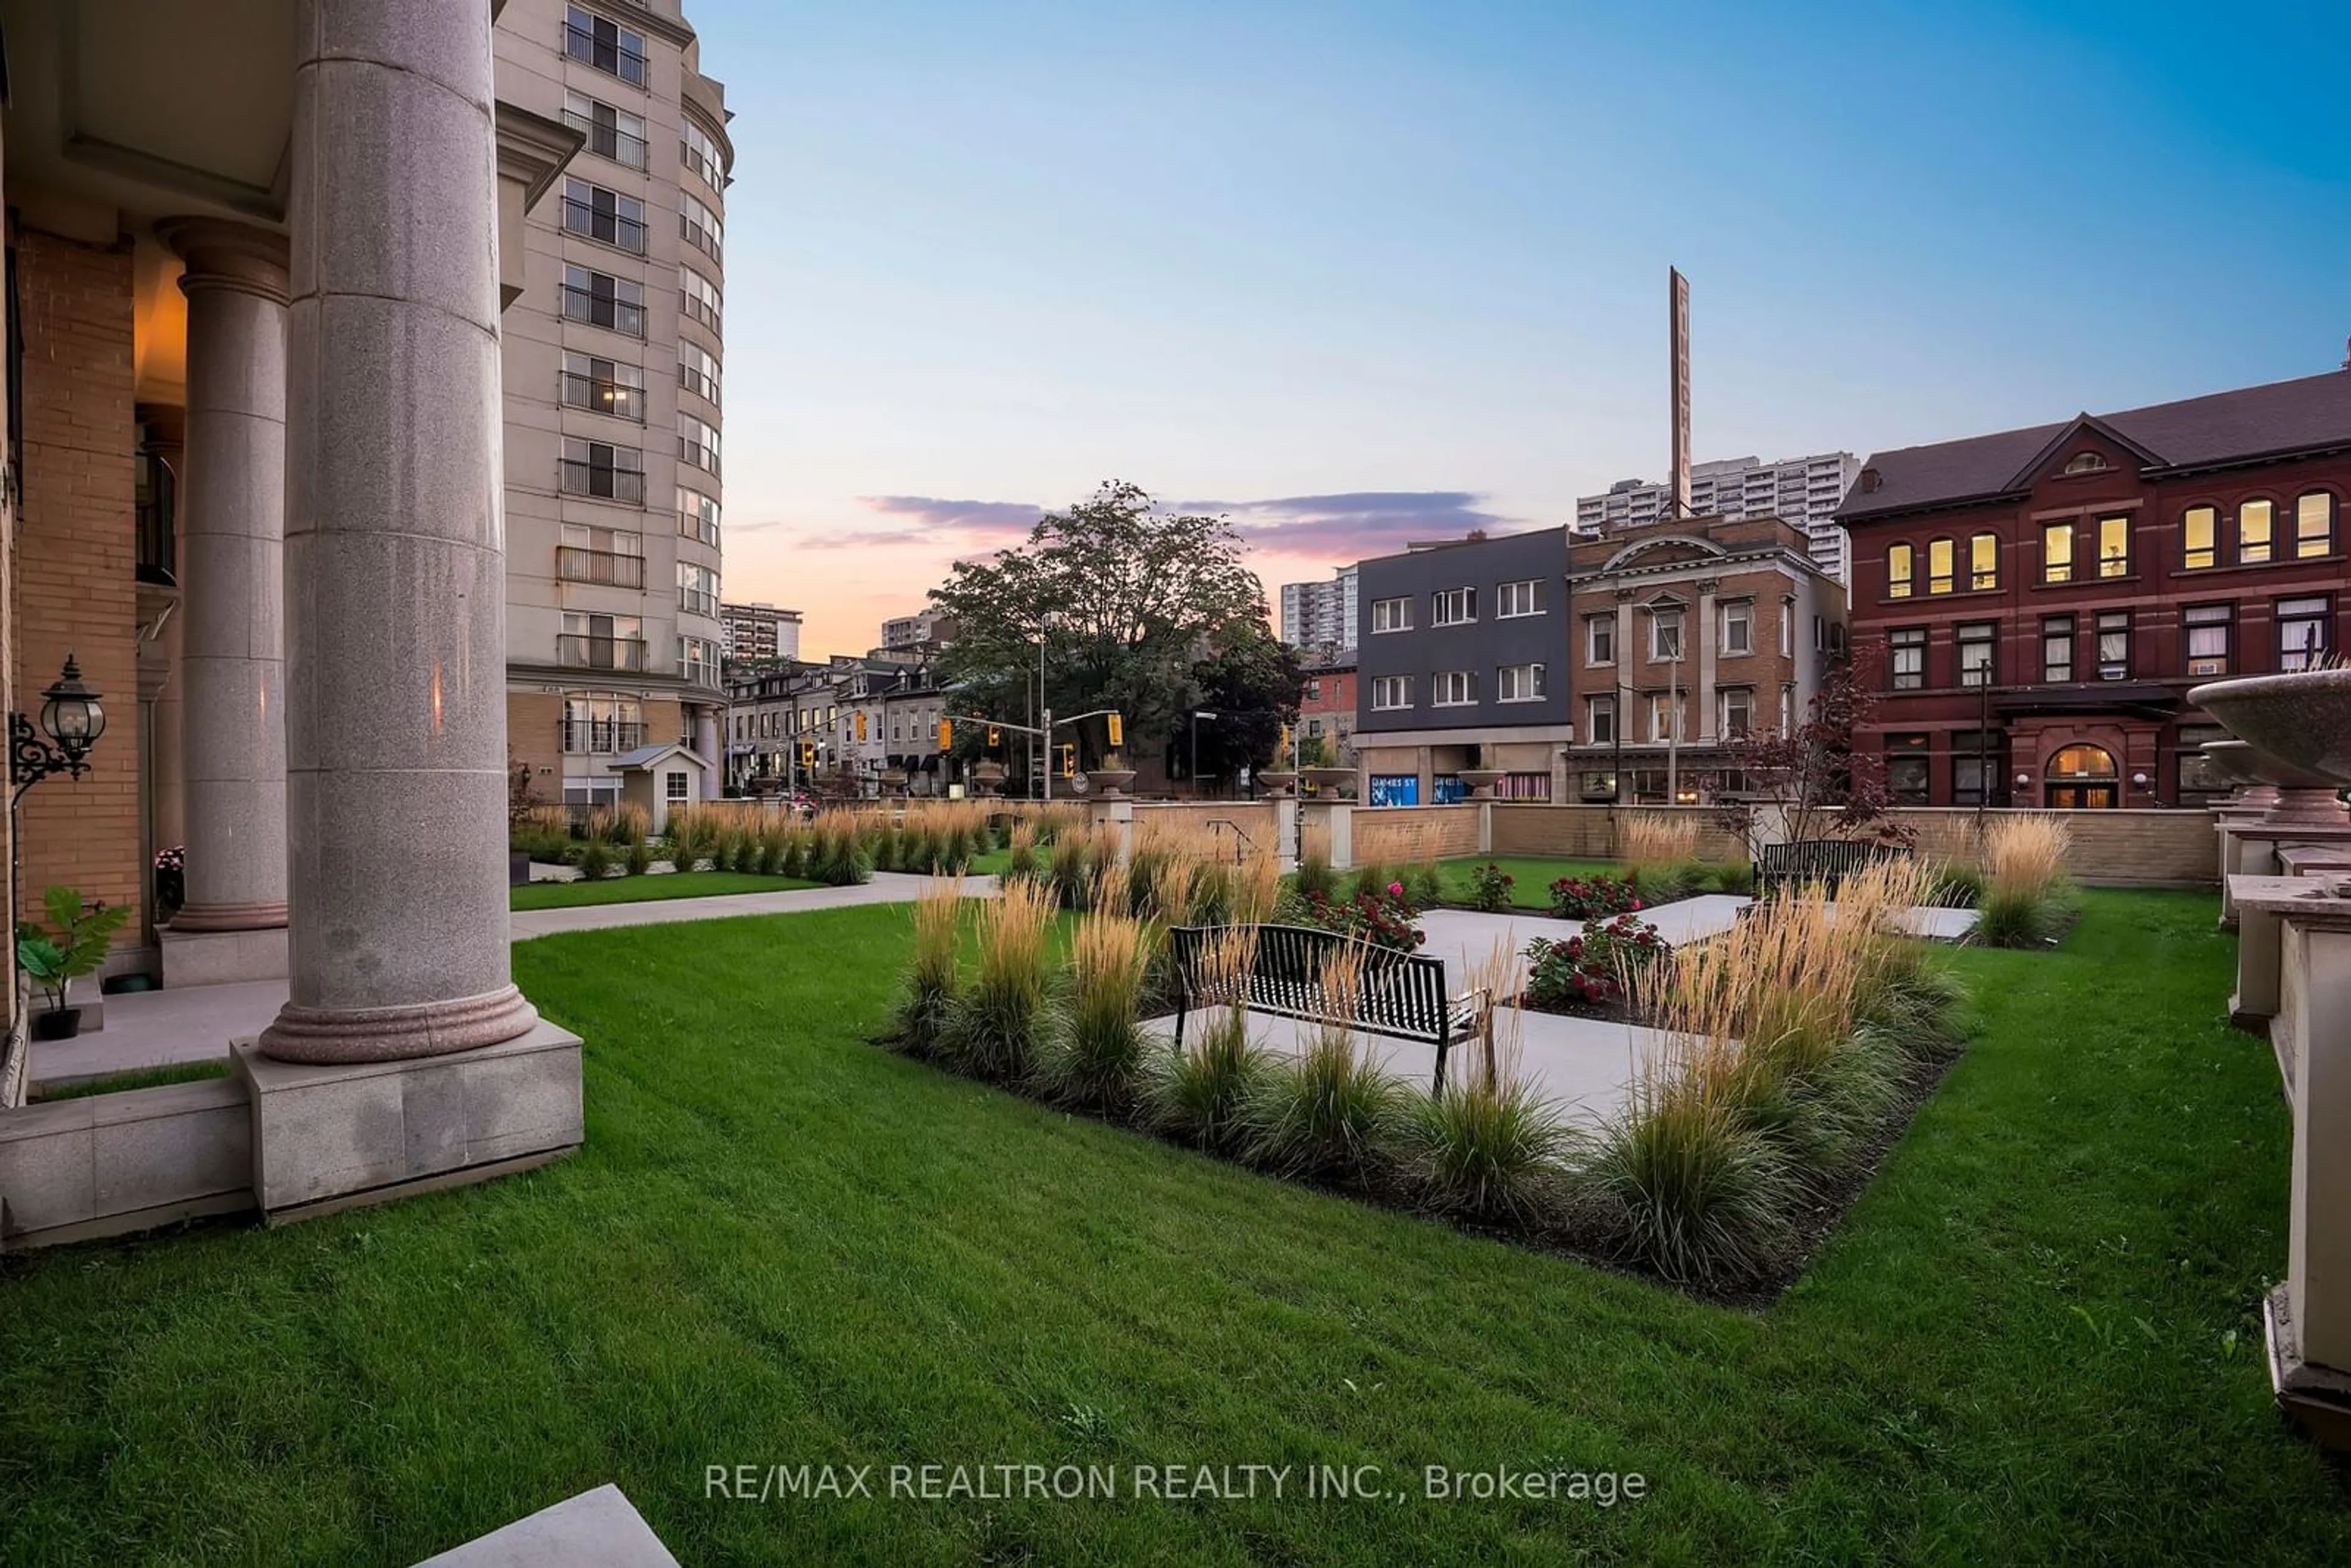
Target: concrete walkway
x=196, y=1023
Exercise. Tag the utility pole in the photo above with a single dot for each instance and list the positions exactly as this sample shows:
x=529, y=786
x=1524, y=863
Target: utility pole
x=1674, y=727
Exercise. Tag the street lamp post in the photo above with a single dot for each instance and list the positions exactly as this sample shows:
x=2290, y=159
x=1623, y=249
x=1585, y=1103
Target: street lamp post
x=1198, y=715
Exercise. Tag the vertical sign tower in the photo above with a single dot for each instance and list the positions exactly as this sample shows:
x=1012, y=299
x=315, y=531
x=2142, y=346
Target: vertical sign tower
x=1678, y=293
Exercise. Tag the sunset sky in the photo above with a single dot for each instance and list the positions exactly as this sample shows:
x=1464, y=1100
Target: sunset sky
x=1365, y=273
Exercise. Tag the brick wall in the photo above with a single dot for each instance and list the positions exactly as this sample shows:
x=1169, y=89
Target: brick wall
x=74, y=588
x=2115, y=848
x=535, y=735
x=1589, y=833
x=1255, y=819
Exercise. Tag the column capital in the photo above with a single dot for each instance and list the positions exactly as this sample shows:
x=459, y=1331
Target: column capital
x=225, y=254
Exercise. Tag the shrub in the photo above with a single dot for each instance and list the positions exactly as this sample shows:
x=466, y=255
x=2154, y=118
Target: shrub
x=1372, y=878
x=993, y=1029
x=1424, y=884
x=1489, y=888
x=931, y=993
x=1599, y=897
x=1652, y=840
x=2026, y=895
x=638, y=858
x=1608, y=960
x=1383, y=918
x=1736, y=878
x=1096, y=1055
x=595, y=859
x=1332, y=1113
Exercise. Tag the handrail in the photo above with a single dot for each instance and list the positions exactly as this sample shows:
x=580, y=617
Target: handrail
x=1241, y=850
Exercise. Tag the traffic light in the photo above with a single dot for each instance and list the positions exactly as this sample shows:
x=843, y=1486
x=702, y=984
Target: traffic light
x=1069, y=759
x=808, y=754
x=1117, y=731
x=946, y=734
x=1281, y=746
x=861, y=726
x=994, y=738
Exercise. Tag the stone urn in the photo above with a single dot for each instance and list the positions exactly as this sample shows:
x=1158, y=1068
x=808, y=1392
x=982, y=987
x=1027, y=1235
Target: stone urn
x=988, y=777
x=1108, y=783
x=1329, y=781
x=1481, y=781
x=2252, y=795
x=2302, y=718
x=893, y=780
x=2301, y=797
x=1277, y=781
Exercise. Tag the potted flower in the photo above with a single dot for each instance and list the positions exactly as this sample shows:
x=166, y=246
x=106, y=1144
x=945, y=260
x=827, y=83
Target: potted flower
x=170, y=882
x=53, y=961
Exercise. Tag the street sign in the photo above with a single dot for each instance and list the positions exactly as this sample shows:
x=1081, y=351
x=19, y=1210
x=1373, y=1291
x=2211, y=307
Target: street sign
x=1078, y=782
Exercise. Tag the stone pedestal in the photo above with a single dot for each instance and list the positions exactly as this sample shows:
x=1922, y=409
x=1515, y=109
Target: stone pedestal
x=1336, y=819
x=1118, y=815
x=330, y=1137
x=1285, y=830
x=2250, y=847
x=221, y=957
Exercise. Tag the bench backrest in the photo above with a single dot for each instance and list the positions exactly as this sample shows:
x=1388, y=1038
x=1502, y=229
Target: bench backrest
x=1839, y=856
x=1402, y=993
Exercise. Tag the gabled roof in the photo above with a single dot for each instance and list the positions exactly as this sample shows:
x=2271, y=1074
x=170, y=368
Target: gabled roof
x=2282, y=419
x=645, y=757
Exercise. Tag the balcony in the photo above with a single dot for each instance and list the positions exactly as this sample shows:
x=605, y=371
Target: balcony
x=609, y=141
x=600, y=395
x=580, y=651
x=592, y=222
x=601, y=736
x=595, y=309
x=614, y=56
x=601, y=482
x=604, y=568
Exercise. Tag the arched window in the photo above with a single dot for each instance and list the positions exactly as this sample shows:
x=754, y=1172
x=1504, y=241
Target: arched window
x=2081, y=777
x=1942, y=556
x=1901, y=564
x=2313, y=525
x=1983, y=561
x=2087, y=463
x=2199, y=535
x=2256, y=532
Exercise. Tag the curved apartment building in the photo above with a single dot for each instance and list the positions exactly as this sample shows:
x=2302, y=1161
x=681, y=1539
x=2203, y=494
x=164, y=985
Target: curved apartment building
x=614, y=367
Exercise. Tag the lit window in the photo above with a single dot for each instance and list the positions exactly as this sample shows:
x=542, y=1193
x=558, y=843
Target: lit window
x=1519, y=684
x=1454, y=689
x=2256, y=527
x=2057, y=649
x=2114, y=547
x=1738, y=628
x=1941, y=566
x=2209, y=630
x=2303, y=640
x=1983, y=561
x=2313, y=525
x=2057, y=552
x=1976, y=640
x=1453, y=607
x=1392, y=616
x=2200, y=534
x=2115, y=645
x=1900, y=565
x=1907, y=646
x=604, y=386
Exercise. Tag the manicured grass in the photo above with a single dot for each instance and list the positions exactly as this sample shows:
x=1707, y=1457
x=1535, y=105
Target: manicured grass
x=1532, y=888
x=138, y=1078
x=2034, y=1339
x=645, y=889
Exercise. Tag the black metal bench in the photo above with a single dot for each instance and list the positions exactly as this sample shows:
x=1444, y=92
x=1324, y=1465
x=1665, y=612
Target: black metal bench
x=1402, y=993
x=1782, y=867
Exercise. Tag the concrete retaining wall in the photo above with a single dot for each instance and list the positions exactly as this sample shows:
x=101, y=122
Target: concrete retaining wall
x=112, y=1163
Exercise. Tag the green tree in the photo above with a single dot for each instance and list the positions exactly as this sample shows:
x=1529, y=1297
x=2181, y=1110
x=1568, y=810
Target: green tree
x=1250, y=679
x=1129, y=600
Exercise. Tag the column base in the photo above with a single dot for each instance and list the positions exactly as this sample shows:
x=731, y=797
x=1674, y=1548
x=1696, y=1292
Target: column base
x=221, y=957
x=352, y=1035
x=334, y=1135
x=2315, y=1398
x=230, y=917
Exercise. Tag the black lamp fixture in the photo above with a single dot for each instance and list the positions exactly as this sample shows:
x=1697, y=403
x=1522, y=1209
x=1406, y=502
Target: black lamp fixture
x=73, y=720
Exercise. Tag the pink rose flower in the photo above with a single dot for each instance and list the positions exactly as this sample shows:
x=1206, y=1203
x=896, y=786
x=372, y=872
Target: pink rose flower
x=1395, y=890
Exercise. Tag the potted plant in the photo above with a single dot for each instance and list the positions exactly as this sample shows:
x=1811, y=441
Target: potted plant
x=1112, y=776
x=53, y=961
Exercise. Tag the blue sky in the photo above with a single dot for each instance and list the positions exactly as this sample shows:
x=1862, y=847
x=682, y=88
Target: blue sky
x=1364, y=272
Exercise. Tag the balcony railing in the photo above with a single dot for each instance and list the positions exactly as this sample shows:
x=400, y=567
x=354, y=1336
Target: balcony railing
x=598, y=395
x=574, y=564
x=600, y=737
x=611, y=56
x=699, y=382
x=613, y=228
x=583, y=652
x=602, y=310
x=609, y=141
x=603, y=483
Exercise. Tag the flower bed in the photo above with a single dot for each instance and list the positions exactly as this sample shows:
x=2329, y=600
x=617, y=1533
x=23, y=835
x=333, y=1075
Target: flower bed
x=1596, y=972
x=1598, y=897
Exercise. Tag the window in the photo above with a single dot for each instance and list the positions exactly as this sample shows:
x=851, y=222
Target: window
x=697, y=515
x=697, y=589
x=599, y=300
x=1738, y=714
x=611, y=132
x=698, y=298
x=1901, y=564
x=612, y=556
x=1519, y=599
x=601, y=641
x=2115, y=645
x=1983, y=561
x=597, y=725
x=2303, y=640
x=2197, y=776
x=698, y=225
x=594, y=213
x=698, y=443
x=607, y=45
x=1788, y=628
x=1976, y=643
x=1941, y=566
x=1519, y=684
x=1738, y=628
x=2210, y=628
x=2057, y=552
x=1389, y=692
x=2056, y=649
x=676, y=788
x=1787, y=710
x=1665, y=634
x=2200, y=538
x=1906, y=768
x=1977, y=760
x=2314, y=526
x=2113, y=546
x=697, y=371
x=1907, y=646
x=697, y=660
x=698, y=151
x=604, y=386
x=1453, y=606
x=2256, y=527
x=599, y=469
x=1665, y=716
x=2086, y=462
x=1599, y=720
x=1392, y=616
x=1454, y=689
x=1600, y=639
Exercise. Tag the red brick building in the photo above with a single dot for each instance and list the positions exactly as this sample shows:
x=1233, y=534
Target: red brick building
x=2034, y=605
x=1326, y=709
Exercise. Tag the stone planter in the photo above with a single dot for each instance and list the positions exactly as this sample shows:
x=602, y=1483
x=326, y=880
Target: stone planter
x=1481, y=781
x=988, y=777
x=1108, y=783
x=58, y=1023
x=2302, y=718
x=2299, y=795
x=1329, y=781
x=2251, y=793
x=1276, y=782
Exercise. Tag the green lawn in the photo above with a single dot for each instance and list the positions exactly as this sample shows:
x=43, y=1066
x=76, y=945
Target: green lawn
x=1532, y=888
x=645, y=889
x=2034, y=1338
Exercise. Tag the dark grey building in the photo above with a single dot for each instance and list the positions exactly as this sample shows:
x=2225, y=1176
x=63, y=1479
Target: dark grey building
x=1461, y=662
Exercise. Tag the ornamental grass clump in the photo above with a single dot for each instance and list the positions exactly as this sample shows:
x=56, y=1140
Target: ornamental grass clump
x=1021, y=862
x=1660, y=855
x=637, y=857
x=931, y=989
x=1094, y=1059
x=836, y=854
x=595, y=859
x=1330, y=1113
x=1256, y=888
x=1070, y=869
x=1314, y=872
x=1488, y=1148
x=777, y=847
x=998, y=1020
x=1203, y=1091
x=2026, y=894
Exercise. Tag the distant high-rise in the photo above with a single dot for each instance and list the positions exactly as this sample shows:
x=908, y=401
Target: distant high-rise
x=760, y=631
x=1319, y=614
x=925, y=631
x=1805, y=491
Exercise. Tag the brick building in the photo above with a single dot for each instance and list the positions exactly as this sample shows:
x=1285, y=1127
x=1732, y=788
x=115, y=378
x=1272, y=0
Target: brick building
x=1326, y=709
x=2036, y=604
x=1687, y=633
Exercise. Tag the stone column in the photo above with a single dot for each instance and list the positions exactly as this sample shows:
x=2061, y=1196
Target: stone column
x=705, y=739
x=167, y=815
x=395, y=563
x=232, y=666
